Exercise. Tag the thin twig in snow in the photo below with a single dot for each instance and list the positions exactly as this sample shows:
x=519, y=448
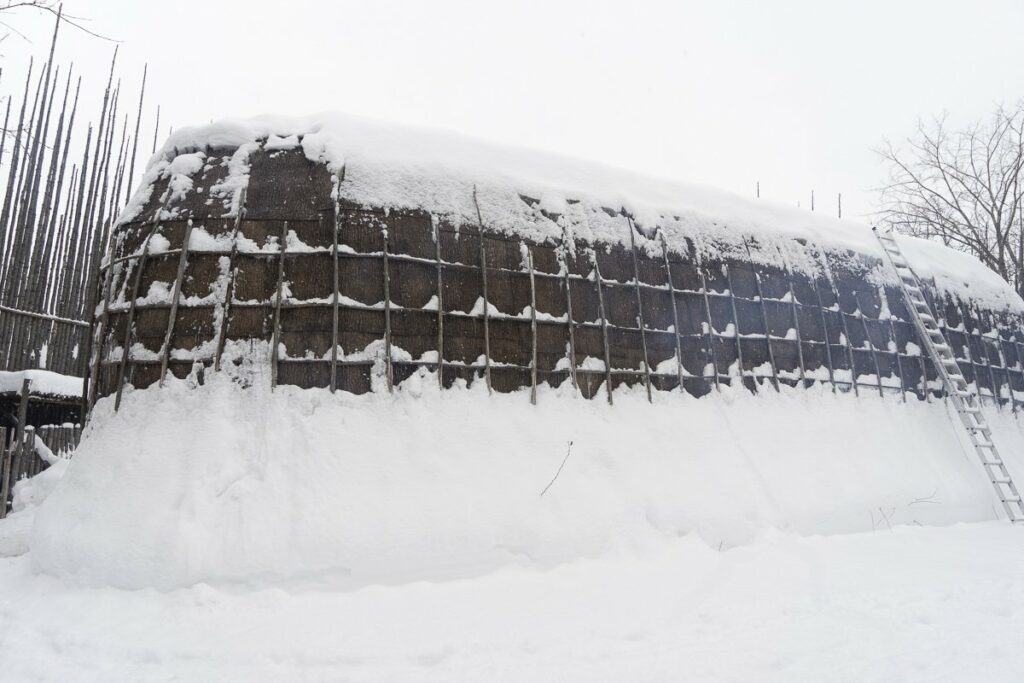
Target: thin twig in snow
x=564, y=460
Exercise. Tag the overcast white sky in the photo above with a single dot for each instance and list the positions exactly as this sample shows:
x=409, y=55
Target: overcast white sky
x=794, y=93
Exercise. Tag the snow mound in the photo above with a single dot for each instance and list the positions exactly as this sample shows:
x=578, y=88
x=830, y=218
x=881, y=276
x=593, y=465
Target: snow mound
x=220, y=484
x=539, y=195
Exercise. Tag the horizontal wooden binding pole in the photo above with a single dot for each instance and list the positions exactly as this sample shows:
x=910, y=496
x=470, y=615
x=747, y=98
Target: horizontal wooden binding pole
x=43, y=316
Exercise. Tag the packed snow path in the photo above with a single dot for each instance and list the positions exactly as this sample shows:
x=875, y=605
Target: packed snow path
x=910, y=604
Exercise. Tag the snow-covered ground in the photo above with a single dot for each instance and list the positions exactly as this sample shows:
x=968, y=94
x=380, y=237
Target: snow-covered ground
x=211, y=533
x=910, y=604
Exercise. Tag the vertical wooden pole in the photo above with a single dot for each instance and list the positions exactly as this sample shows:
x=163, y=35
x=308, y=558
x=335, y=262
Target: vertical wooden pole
x=229, y=287
x=172, y=314
x=388, y=369
x=19, y=435
x=871, y=347
x=604, y=329
x=640, y=308
x=335, y=297
x=736, y=324
x=487, y=305
x=764, y=318
x=675, y=311
x=440, y=303
x=711, y=355
x=276, y=333
x=5, y=471
x=126, y=346
x=827, y=270
x=568, y=313
x=796, y=319
x=533, y=330
x=29, y=455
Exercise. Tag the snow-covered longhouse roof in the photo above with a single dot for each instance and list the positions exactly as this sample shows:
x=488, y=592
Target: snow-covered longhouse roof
x=451, y=175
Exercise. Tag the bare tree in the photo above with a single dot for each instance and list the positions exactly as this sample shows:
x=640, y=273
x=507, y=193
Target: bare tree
x=53, y=7
x=963, y=188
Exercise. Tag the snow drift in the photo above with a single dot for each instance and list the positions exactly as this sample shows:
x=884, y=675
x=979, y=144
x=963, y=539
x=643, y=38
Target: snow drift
x=220, y=484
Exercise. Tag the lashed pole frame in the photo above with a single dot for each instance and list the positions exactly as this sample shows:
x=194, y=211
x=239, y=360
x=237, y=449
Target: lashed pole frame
x=639, y=307
x=892, y=338
x=140, y=265
x=5, y=471
x=824, y=332
x=842, y=321
x=165, y=350
x=871, y=345
x=229, y=287
x=388, y=368
x=279, y=294
x=986, y=356
x=736, y=326
x=710, y=354
x=335, y=293
x=90, y=389
x=568, y=312
x=675, y=311
x=604, y=327
x=796, y=320
x=764, y=317
x=533, y=329
x=440, y=302
x=19, y=442
x=487, y=305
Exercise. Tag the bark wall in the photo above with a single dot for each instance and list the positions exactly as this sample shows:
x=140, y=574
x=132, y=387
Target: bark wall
x=597, y=315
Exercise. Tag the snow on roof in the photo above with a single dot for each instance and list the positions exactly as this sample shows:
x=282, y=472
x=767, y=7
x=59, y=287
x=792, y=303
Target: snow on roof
x=395, y=166
x=43, y=382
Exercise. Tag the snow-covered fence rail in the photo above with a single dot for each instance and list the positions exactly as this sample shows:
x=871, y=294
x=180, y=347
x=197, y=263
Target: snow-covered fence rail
x=341, y=292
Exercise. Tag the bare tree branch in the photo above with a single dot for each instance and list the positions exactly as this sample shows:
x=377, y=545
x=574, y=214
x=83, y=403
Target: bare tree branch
x=963, y=188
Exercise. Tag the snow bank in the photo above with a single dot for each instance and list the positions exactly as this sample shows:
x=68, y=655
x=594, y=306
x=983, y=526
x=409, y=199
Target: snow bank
x=541, y=195
x=296, y=487
x=43, y=382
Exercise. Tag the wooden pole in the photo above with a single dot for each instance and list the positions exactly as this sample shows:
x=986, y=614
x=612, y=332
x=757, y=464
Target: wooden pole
x=229, y=288
x=604, y=329
x=675, y=311
x=440, y=303
x=842, y=321
x=335, y=296
x=764, y=318
x=172, y=314
x=568, y=312
x=276, y=336
x=796, y=319
x=711, y=354
x=639, y=308
x=388, y=369
x=19, y=435
x=90, y=389
x=140, y=266
x=487, y=305
x=736, y=325
x=135, y=138
x=5, y=471
x=533, y=331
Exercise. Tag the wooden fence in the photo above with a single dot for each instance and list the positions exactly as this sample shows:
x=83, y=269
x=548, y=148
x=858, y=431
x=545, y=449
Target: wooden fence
x=25, y=451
